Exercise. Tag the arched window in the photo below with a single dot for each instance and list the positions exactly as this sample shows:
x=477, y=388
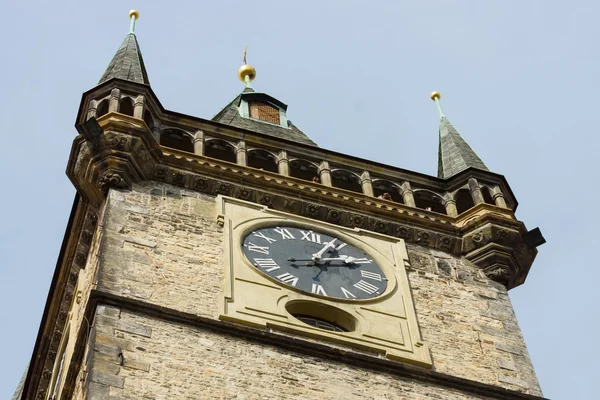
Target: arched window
x=345, y=180
x=429, y=201
x=487, y=195
x=126, y=106
x=381, y=186
x=176, y=139
x=303, y=169
x=261, y=159
x=148, y=119
x=102, y=108
x=219, y=149
x=464, y=200
x=264, y=112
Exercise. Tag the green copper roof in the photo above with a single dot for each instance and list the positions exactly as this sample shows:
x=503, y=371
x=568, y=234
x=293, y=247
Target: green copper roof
x=127, y=64
x=454, y=154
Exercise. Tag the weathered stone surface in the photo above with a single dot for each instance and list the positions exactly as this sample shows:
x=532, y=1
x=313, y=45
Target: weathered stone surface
x=465, y=318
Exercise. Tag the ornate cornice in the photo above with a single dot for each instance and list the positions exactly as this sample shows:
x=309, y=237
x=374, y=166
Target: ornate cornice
x=117, y=150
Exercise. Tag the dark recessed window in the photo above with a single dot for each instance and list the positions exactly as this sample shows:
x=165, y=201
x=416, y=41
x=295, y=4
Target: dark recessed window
x=320, y=323
x=264, y=112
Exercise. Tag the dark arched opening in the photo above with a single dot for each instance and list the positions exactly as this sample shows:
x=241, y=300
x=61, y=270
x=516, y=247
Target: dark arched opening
x=487, y=196
x=464, y=200
x=381, y=186
x=148, y=119
x=220, y=150
x=261, y=159
x=345, y=180
x=176, y=139
x=303, y=169
x=102, y=108
x=126, y=106
x=429, y=201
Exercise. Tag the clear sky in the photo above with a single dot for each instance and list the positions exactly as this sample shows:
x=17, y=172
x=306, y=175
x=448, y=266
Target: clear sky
x=518, y=79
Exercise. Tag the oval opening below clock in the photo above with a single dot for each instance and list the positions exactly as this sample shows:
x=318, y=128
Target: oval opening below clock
x=321, y=316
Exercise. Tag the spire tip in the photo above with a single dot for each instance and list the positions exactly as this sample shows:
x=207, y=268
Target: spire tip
x=435, y=96
x=246, y=73
x=134, y=14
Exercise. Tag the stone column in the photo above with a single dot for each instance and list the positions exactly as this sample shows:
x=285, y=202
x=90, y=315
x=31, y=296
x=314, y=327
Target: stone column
x=498, y=197
x=366, y=183
x=475, y=191
x=198, y=141
x=283, y=164
x=156, y=131
x=325, y=173
x=407, y=194
x=92, y=109
x=113, y=102
x=241, y=154
x=450, y=205
x=138, y=107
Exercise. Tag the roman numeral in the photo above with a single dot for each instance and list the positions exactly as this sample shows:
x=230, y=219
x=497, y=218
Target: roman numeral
x=311, y=237
x=362, y=261
x=267, y=264
x=366, y=287
x=318, y=289
x=288, y=278
x=262, y=236
x=348, y=294
x=285, y=234
x=259, y=249
x=370, y=275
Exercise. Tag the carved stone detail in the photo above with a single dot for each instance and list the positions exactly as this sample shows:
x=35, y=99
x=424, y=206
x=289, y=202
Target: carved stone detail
x=312, y=210
x=222, y=188
x=243, y=193
x=356, y=220
x=111, y=179
x=179, y=178
x=265, y=199
x=161, y=172
x=334, y=216
x=424, y=238
x=380, y=226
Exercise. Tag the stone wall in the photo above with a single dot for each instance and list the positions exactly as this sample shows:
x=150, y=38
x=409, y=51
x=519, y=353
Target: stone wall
x=162, y=245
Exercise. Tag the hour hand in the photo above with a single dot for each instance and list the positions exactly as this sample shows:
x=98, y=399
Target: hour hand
x=345, y=259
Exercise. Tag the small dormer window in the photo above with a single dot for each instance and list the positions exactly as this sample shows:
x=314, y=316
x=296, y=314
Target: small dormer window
x=264, y=112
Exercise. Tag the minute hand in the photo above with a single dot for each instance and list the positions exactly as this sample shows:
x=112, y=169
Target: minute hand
x=318, y=255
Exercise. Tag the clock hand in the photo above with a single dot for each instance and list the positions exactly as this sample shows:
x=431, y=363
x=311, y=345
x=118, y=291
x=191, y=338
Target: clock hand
x=345, y=259
x=318, y=255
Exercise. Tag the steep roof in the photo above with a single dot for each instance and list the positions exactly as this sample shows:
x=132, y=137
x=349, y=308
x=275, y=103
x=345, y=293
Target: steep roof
x=454, y=154
x=127, y=63
x=230, y=115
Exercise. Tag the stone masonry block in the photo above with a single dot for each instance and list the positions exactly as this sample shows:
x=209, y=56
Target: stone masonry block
x=107, y=379
x=509, y=349
x=509, y=365
x=513, y=381
x=108, y=311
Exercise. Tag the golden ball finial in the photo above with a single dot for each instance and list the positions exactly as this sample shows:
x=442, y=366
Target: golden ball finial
x=246, y=71
x=134, y=13
x=435, y=96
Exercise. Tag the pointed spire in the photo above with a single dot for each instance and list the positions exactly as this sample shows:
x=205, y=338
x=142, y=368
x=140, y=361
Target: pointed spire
x=454, y=154
x=128, y=63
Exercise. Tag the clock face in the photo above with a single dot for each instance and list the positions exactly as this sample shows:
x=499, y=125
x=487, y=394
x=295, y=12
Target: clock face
x=314, y=262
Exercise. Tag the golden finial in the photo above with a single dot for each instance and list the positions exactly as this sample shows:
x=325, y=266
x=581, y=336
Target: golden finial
x=246, y=73
x=133, y=16
x=435, y=96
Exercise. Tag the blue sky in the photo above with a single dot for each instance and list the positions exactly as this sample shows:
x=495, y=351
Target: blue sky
x=518, y=79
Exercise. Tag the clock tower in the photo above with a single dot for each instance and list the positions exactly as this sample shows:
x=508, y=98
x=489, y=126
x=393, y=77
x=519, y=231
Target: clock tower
x=235, y=258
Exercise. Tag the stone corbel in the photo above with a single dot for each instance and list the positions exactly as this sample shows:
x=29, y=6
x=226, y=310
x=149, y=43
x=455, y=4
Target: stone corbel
x=499, y=251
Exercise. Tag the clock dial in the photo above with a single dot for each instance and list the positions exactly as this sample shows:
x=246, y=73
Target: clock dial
x=314, y=262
